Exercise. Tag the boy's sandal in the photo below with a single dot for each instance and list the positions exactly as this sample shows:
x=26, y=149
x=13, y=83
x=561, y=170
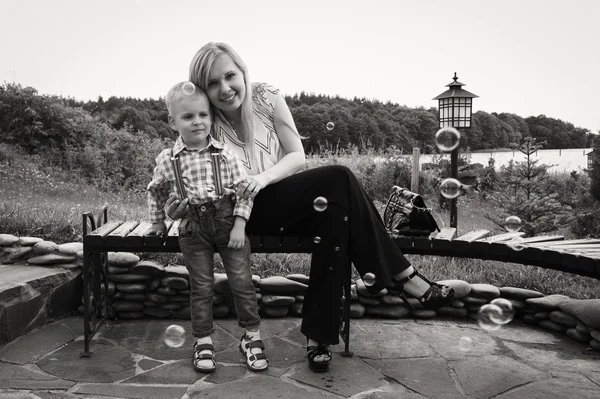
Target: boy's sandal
x=318, y=350
x=204, y=356
x=434, y=298
x=251, y=358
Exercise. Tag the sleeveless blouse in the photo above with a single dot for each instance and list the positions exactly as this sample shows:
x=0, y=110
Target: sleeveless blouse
x=266, y=142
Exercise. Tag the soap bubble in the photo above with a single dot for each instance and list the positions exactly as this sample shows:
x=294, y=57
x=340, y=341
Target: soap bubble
x=317, y=239
x=174, y=336
x=507, y=311
x=320, y=204
x=487, y=316
x=450, y=188
x=512, y=223
x=369, y=279
x=330, y=125
x=188, y=88
x=465, y=343
x=516, y=244
x=447, y=139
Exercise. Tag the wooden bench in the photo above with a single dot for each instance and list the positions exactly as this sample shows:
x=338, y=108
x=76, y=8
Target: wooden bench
x=131, y=236
x=580, y=257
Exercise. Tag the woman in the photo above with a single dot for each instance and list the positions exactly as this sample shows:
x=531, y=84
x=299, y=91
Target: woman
x=256, y=122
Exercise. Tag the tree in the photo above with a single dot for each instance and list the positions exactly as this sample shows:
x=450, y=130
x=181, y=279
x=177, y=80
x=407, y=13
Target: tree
x=523, y=192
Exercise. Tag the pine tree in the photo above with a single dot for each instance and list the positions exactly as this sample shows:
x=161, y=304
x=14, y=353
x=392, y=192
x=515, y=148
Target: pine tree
x=522, y=192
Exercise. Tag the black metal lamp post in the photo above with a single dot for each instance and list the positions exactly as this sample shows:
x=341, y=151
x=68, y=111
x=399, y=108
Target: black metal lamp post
x=455, y=111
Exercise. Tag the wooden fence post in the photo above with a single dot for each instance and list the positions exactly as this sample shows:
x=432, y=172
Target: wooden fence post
x=414, y=178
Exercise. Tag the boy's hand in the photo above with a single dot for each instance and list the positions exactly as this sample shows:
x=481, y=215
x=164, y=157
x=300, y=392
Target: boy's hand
x=176, y=208
x=157, y=229
x=237, y=238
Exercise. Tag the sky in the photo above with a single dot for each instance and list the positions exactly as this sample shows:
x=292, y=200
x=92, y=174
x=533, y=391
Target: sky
x=527, y=57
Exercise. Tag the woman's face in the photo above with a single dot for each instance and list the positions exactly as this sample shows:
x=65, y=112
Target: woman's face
x=226, y=87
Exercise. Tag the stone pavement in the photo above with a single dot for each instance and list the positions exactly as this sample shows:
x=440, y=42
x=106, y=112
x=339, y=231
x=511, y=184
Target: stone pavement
x=406, y=358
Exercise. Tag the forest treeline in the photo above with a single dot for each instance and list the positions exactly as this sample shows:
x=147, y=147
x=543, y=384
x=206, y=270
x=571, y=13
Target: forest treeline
x=363, y=123
x=92, y=136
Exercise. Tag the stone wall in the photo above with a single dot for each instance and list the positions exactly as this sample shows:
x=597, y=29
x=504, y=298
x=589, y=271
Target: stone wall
x=141, y=288
x=31, y=297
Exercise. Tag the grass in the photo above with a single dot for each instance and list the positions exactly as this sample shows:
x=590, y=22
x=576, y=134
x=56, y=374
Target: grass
x=50, y=205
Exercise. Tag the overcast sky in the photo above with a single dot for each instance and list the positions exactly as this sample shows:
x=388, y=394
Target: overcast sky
x=527, y=57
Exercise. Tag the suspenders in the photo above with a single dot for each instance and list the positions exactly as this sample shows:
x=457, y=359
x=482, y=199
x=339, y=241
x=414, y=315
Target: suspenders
x=215, y=158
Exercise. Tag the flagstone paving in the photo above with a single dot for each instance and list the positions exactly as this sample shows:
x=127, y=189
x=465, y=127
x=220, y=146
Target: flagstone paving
x=392, y=359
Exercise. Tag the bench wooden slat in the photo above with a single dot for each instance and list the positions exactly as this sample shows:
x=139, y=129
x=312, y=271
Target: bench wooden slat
x=473, y=235
x=136, y=237
x=577, y=247
x=96, y=237
x=539, y=239
x=503, y=237
x=172, y=239
x=115, y=238
x=157, y=240
x=461, y=246
x=443, y=240
x=568, y=242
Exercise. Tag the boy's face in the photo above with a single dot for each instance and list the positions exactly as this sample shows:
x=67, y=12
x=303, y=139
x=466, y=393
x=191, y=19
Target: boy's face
x=190, y=116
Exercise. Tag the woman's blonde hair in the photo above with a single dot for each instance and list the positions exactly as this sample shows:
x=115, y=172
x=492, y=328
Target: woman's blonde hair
x=200, y=70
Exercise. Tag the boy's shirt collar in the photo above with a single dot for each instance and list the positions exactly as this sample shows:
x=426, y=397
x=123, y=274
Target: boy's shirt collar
x=180, y=145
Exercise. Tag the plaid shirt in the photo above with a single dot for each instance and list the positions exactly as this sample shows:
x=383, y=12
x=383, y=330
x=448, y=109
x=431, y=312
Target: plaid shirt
x=197, y=175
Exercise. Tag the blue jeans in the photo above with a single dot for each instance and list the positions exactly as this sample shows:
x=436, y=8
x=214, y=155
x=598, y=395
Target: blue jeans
x=203, y=230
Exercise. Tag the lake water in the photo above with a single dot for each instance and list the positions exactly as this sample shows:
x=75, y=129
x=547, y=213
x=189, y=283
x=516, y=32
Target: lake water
x=572, y=159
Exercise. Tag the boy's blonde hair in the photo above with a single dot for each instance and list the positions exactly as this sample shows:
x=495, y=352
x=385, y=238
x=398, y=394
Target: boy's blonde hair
x=200, y=69
x=182, y=90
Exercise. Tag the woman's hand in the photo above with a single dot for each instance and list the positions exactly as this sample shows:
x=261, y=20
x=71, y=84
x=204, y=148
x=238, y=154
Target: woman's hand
x=251, y=187
x=176, y=208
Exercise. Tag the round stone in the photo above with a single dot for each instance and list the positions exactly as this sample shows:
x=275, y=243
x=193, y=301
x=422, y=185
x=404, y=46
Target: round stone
x=29, y=241
x=128, y=278
x=461, y=288
x=547, y=303
x=45, y=247
x=51, y=259
x=296, y=308
x=6, y=240
x=577, y=336
x=70, y=248
x=131, y=287
x=178, y=283
x=221, y=310
x=387, y=311
x=563, y=318
x=275, y=311
x=127, y=306
x=277, y=300
x=301, y=278
x=122, y=259
x=452, y=311
x=357, y=310
x=485, y=290
x=519, y=293
x=423, y=313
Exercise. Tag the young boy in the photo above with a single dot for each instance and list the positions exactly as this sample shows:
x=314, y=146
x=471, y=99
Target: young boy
x=210, y=174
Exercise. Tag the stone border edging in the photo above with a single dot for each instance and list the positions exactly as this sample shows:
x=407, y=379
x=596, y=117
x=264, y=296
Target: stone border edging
x=140, y=289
